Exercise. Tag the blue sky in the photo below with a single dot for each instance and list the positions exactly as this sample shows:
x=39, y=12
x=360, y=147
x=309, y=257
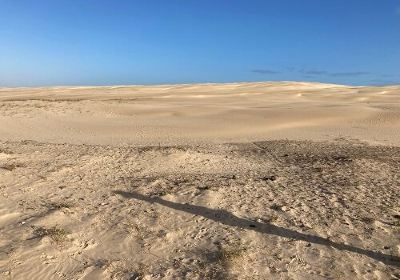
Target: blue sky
x=99, y=42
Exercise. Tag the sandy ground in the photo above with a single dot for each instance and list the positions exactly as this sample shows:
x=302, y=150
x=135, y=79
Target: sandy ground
x=233, y=181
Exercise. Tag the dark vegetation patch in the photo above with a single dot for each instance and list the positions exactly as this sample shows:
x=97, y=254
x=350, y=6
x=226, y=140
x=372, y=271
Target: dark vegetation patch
x=58, y=205
x=56, y=233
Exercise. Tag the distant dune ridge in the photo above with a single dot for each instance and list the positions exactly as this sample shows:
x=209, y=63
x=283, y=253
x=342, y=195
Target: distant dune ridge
x=171, y=114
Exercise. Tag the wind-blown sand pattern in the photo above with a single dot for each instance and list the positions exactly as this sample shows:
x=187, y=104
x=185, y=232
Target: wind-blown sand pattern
x=241, y=112
x=214, y=181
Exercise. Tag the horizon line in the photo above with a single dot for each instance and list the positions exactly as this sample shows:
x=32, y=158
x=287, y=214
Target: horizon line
x=188, y=84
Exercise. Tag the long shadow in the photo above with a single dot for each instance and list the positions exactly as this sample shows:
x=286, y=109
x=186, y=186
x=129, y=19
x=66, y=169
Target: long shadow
x=227, y=218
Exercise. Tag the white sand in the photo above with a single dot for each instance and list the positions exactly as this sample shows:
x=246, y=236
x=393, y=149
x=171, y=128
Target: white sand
x=180, y=114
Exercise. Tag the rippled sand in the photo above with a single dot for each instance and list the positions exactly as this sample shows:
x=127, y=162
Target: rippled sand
x=218, y=113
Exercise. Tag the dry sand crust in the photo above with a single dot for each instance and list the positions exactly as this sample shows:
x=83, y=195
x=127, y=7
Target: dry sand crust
x=79, y=203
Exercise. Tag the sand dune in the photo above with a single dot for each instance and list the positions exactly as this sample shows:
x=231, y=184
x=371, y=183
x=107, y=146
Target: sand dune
x=181, y=114
x=210, y=181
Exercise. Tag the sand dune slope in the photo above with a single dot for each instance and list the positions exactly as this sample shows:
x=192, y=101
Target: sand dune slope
x=183, y=114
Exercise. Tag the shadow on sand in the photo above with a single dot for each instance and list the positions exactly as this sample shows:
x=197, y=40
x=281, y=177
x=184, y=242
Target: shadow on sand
x=227, y=218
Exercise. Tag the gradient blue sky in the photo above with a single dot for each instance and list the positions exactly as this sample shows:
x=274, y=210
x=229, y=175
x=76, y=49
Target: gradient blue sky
x=99, y=42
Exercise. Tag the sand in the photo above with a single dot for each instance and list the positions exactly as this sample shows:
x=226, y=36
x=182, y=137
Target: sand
x=207, y=113
x=211, y=181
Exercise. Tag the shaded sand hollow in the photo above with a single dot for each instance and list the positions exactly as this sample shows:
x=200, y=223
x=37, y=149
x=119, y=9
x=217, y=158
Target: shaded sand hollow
x=211, y=181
